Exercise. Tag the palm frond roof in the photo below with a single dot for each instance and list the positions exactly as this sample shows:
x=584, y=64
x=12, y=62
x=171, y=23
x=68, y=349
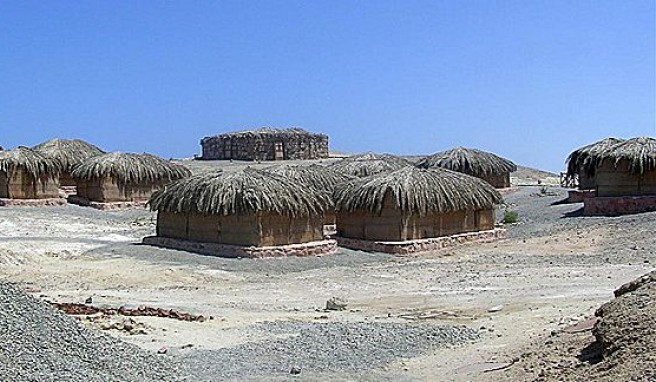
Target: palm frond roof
x=130, y=168
x=419, y=191
x=69, y=152
x=36, y=164
x=640, y=153
x=239, y=193
x=367, y=164
x=317, y=176
x=577, y=158
x=469, y=161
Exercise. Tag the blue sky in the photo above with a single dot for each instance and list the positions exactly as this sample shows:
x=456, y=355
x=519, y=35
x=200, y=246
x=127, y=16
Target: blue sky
x=529, y=80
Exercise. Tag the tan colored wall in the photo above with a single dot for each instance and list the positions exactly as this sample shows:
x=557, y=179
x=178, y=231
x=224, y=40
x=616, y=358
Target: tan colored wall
x=65, y=179
x=392, y=225
x=107, y=191
x=618, y=181
x=498, y=181
x=249, y=230
x=21, y=185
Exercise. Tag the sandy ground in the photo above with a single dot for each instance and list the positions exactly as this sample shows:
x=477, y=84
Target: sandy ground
x=554, y=269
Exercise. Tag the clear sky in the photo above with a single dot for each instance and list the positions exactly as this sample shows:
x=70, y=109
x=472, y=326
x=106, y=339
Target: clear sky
x=529, y=80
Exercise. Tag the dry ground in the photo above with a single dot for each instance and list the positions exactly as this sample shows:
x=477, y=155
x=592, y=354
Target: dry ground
x=554, y=268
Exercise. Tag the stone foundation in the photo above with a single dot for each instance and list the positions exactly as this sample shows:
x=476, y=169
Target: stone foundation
x=84, y=202
x=578, y=196
x=315, y=248
x=421, y=245
x=620, y=205
x=33, y=202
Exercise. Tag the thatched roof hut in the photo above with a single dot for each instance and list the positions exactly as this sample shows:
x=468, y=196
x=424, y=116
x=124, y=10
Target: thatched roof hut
x=625, y=177
x=367, y=164
x=481, y=164
x=121, y=177
x=249, y=207
x=577, y=160
x=28, y=174
x=413, y=203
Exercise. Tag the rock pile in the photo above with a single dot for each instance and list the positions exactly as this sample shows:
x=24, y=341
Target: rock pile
x=37, y=343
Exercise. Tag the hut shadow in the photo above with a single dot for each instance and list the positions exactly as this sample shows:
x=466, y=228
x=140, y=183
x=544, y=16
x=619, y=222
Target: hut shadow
x=562, y=202
x=573, y=214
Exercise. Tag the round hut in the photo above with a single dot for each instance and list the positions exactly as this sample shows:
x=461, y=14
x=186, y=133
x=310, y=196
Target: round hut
x=124, y=177
x=266, y=144
x=236, y=213
x=577, y=160
x=481, y=164
x=411, y=204
x=627, y=168
x=367, y=164
x=28, y=174
x=70, y=153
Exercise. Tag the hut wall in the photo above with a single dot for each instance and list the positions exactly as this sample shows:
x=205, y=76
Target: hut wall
x=283, y=230
x=265, y=147
x=105, y=190
x=21, y=185
x=65, y=179
x=246, y=230
x=586, y=182
x=618, y=181
x=4, y=185
x=498, y=180
x=392, y=225
x=172, y=225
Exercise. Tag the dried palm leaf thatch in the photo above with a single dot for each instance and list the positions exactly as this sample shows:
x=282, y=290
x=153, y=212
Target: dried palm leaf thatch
x=418, y=191
x=266, y=132
x=70, y=152
x=37, y=165
x=367, y=164
x=577, y=159
x=319, y=177
x=469, y=161
x=130, y=168
x=640, y=153
x=239, y=193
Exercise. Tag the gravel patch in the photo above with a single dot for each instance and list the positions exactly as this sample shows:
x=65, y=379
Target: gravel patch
x=40, y=344
x=331, y=347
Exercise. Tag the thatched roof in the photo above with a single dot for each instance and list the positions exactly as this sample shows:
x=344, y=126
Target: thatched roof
x=265, y=133
x=469, y=161
x=130, y=168
x=367, y=164
x=36, y=164
x=578, y=158
x=418, y=191
x=639, y=152
x=239, y=193
x=69, y=152
x=320, y=177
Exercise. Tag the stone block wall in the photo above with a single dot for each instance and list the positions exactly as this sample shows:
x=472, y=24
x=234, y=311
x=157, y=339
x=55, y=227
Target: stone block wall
x=266, y=145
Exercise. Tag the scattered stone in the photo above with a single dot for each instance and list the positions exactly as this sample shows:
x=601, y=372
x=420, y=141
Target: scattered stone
x=295, y=370
x=336, y=303
x=163, y=350
x=496, y=308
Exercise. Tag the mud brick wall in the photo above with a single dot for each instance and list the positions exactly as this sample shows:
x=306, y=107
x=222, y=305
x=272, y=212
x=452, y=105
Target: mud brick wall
x=265, y=146
x=21, y=185
x=248, y=230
